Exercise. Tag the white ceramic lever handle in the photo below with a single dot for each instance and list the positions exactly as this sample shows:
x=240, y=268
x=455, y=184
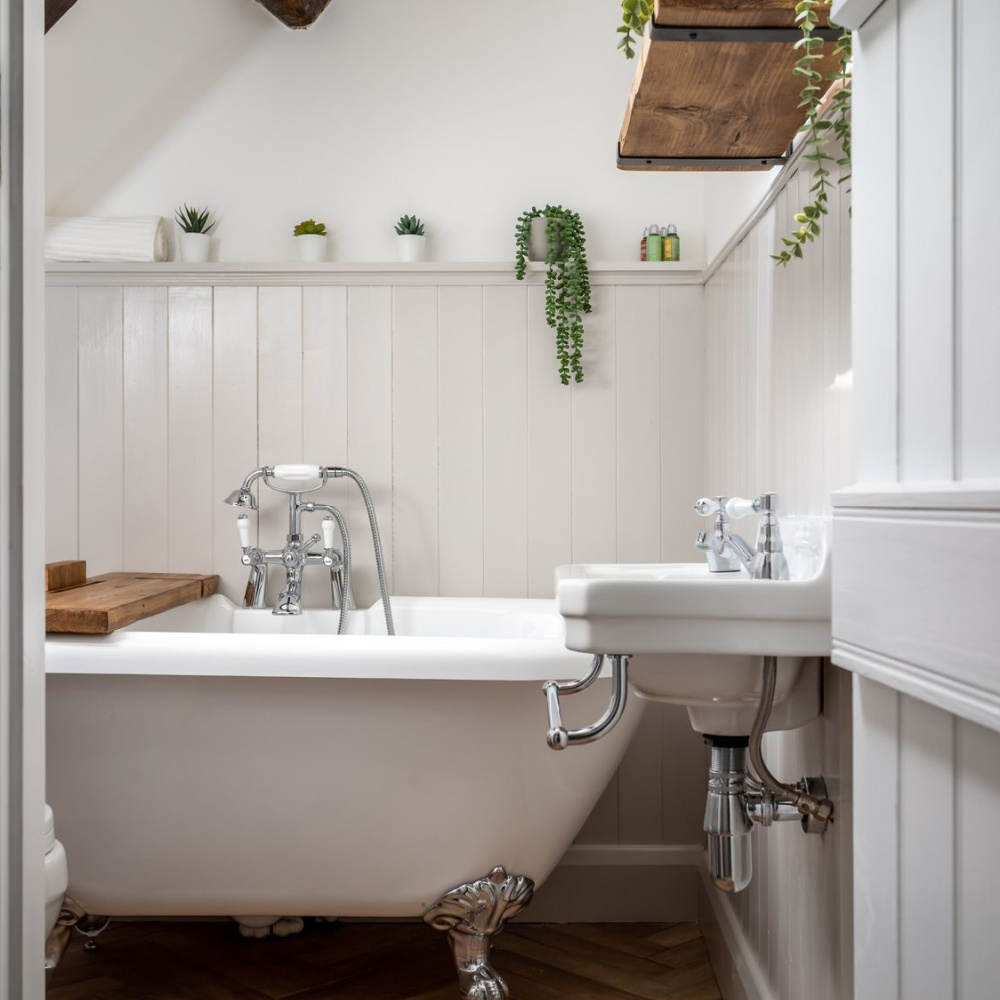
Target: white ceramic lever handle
x=243, y=525
x=328, y=526
x=738, y=507
x=297, y=472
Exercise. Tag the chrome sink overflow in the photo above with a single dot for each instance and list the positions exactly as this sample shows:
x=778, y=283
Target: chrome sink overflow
x=296, y=554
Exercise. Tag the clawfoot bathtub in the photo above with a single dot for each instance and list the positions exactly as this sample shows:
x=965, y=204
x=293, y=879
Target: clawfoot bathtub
x=216, y=760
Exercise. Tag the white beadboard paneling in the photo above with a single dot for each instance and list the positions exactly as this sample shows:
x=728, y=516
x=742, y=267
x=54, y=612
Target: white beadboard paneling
x=978, y=152
x=641, y=783
x=638, y=424
x=234, y=426
x=926, y=237
x=876, y=843
x=146, y=480
x=415, y=440
x=549, y=455
x=324, y=405
x=61, y=445
x=875, y=275
x=369, y=432
x=279, y=403
x=101, y=462
x=191, y=497
x=682, y=453
x=927, y=846
x=977, y=902
x=595, y=449
x=460, y=441
x=505, y=442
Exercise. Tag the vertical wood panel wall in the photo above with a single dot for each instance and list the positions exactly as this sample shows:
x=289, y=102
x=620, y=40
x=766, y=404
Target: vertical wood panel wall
x=777, y=373
x=486, y=472
x=923, y=522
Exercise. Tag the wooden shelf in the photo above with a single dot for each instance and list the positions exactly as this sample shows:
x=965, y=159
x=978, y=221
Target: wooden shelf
x=715, y=100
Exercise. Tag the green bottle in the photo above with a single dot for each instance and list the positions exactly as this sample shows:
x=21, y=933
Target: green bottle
x=654, y=244
x=671, y=244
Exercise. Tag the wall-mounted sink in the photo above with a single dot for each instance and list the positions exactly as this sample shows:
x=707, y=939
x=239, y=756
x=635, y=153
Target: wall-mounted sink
x=696, y=638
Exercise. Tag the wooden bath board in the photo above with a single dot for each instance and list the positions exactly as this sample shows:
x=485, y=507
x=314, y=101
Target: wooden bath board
x=113, y=600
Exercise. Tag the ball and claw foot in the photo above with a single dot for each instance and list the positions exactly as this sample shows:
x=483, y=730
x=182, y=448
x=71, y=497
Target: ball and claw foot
x=472, y=914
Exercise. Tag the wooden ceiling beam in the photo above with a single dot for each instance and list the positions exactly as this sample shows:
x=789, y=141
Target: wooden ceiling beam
x=295, y=13
x=54, y=9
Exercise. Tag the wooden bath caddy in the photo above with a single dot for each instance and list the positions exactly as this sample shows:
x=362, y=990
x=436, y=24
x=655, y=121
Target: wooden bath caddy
x=113, y=600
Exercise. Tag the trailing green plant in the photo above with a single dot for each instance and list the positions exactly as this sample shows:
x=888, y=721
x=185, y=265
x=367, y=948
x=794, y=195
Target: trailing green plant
x=567, y=281
x=310, y=227
x=409, y=225
x=821, y=129
x=195, y=220
x=635, y=14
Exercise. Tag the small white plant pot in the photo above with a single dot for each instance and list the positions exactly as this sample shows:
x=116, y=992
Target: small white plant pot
x=195, y=247
x=311, y=247
x=411, y=248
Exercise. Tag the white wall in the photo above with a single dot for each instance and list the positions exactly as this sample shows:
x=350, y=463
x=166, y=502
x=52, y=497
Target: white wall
x=775, y=341
x=464, y=116
x=918, y=536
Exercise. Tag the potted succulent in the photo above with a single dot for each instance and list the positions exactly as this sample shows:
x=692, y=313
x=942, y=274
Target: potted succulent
x=310, y=238
x=410, y=231
x=567, y=279
x=196, y=225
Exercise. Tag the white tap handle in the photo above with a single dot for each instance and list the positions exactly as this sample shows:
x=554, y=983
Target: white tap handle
x=328, y=525
x=738, y=507
x=297, y=472
x=707, y=506
x=243, y=524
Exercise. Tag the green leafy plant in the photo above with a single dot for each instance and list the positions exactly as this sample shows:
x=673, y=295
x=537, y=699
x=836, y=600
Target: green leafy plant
x=567, y=281
x=409, y=225
x=635, y=14
x=821, y=127
x=195, y=220
x=310, y=227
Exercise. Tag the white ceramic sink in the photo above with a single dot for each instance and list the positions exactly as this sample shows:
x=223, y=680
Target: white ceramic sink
x=697, y=638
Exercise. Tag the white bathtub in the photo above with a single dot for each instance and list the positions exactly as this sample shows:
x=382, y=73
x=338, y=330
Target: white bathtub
x=223, y=761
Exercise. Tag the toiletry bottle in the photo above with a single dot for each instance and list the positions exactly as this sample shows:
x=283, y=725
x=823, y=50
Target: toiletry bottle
x=642, y=244
x=654, y=244
x=671, y=244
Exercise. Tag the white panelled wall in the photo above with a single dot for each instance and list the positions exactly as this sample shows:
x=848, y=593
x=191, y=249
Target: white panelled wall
x=444, y=395
x=778, y=418
x=918, y=536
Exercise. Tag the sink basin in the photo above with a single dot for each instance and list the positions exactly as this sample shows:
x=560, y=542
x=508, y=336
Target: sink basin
x=696, y=638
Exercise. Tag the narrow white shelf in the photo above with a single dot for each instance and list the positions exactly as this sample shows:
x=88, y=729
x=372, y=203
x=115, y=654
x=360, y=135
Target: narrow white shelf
x=349, y=273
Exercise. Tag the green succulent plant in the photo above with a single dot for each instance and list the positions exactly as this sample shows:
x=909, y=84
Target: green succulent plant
x=310, y=227
x=409, y=225
x=567, y=281
x=195, y=220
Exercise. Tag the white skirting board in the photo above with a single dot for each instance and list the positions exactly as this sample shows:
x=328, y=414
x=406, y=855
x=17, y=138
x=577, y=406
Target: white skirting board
x=737, y=970
x=617, y=883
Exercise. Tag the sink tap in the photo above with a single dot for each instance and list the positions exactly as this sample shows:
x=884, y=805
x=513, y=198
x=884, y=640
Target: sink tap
x=727, y=551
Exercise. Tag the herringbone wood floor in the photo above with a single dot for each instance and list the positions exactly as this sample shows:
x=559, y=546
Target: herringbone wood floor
x=394, y=961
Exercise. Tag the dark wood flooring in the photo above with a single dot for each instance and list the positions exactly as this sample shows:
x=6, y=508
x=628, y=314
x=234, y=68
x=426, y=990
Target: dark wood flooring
x=391, y=961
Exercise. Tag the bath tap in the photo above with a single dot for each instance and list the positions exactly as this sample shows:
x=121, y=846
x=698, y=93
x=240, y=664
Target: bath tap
x=297, y=552
x=727, y=551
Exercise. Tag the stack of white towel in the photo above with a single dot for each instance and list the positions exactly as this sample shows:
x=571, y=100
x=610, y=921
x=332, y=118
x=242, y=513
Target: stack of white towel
x=139, y=239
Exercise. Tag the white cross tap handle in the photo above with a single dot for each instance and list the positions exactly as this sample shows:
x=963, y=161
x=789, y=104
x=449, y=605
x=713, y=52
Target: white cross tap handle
x=328, y=526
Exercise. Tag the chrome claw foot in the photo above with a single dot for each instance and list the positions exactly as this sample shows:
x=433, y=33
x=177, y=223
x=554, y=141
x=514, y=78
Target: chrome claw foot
x=473, y=914
x=90, y=926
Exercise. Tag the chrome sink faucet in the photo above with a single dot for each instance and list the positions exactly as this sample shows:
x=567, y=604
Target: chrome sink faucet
x=727, y=551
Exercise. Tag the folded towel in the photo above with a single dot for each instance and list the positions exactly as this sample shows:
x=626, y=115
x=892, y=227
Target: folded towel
x=140, y=239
